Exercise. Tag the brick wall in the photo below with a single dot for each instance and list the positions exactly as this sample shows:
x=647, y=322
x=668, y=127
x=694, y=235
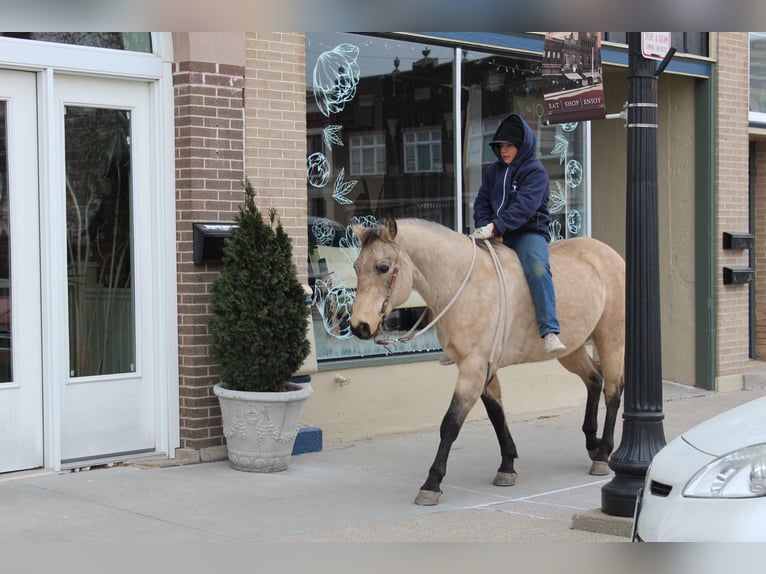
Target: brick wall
x=759, y=202
x=275, y=132
x=209, y=171
x=732, y=186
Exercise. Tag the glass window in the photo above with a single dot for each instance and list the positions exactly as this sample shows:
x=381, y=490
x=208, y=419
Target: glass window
x=493, y=87
x=364, y=94
x=131, y=41
x=381, y=125
x=758, y=76
x=99, y=241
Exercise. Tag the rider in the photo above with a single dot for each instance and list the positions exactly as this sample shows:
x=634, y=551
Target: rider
x=512, y=203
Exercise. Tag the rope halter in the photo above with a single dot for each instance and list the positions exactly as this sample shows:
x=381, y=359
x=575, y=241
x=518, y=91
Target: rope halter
x=391, y=286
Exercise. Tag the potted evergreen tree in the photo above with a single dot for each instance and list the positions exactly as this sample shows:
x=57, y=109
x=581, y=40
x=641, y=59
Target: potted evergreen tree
x=259, y=337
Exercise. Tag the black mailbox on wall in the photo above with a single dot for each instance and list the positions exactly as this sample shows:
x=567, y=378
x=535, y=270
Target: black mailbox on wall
x=736, y=240
x=209, y=239
x=737, y=275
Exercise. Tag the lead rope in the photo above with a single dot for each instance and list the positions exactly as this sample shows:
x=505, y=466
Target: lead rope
x=500, y=329
x=411, y=333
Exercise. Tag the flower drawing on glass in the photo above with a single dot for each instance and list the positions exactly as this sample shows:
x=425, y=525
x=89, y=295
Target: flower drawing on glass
x=554, y=228
x=574, y=222
x=331, y=136
x=573, y=173
x=334, y=304
x=561, y=148
x=323, y=231
x=318, y=170
x=558, y=200
x=343, y=188
x=336, y=75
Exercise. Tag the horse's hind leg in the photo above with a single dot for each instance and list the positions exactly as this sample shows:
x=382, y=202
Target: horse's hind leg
x=589, y=371
x=612, y=366
x=506, y=475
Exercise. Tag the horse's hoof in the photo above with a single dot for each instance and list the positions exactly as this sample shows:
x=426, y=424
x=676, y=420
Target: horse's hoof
x=427, y=498
x=505, y=479
x=599, y=468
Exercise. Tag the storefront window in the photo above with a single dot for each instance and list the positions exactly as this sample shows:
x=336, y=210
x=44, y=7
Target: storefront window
x=382, y=119
x=131, y=41
x=758, y=77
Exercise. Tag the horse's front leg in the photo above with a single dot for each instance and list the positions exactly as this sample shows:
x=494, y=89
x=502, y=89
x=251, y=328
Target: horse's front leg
x=506, y=475
x=463, y=399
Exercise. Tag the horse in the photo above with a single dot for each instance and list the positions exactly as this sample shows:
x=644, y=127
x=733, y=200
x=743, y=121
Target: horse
x=481, y=331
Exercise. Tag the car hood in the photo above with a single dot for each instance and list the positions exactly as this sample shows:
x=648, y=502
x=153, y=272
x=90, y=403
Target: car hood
x=741, y=426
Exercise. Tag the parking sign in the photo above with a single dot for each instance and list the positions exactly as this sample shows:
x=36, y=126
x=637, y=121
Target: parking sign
x=655, y=45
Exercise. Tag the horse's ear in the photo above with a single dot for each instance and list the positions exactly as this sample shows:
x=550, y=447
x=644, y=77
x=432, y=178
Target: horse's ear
x=389, y=228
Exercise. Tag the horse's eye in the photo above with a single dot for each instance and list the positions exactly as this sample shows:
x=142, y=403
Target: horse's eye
x=383, y=268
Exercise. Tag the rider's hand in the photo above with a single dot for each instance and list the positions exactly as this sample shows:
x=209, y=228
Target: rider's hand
x=486, y=232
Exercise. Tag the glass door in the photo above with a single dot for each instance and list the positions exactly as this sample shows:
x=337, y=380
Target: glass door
x=108, y=395
x=21, y=402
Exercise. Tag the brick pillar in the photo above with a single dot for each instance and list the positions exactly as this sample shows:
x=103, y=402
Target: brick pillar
x=759, y=201
x=275, y=135
x=209, y=136
x=732, y=185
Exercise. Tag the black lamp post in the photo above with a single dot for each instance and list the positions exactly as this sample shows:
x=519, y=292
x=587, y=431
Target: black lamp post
x=642, y=432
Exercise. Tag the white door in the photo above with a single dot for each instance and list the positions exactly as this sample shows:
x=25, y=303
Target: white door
x=21, y=404
x=107, y=397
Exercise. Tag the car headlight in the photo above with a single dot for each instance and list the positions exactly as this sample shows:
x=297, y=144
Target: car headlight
x=739, y=474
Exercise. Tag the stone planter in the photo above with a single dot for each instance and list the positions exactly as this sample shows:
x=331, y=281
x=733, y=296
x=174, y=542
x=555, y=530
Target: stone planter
x=260, y=428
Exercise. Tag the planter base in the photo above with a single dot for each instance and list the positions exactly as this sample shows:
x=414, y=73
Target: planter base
x=260, y=428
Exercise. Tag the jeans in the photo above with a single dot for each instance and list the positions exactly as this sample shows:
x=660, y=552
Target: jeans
x=532, y=249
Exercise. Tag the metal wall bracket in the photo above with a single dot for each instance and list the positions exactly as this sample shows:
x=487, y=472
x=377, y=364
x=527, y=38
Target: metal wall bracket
x=209, y=239
x=738, y=240
x=737, y=275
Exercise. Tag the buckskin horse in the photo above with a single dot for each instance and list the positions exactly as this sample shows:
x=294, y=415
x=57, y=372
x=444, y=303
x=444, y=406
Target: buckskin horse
x=479, y=301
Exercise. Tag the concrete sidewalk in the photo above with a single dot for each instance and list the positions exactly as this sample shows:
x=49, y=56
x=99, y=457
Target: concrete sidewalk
x=362, y=491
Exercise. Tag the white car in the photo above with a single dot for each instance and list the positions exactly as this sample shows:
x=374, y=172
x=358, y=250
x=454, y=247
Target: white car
x=709, y=484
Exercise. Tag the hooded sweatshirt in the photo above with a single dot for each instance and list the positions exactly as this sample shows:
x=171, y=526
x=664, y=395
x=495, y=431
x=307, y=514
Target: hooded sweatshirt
x=514, y=196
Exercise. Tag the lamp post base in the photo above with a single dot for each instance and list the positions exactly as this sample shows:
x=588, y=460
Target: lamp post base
x=618, y=497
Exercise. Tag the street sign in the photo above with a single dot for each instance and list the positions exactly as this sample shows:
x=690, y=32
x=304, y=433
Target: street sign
x=655, y=45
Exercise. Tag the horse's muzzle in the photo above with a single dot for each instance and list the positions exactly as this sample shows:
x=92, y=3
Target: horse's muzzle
x=362, y=330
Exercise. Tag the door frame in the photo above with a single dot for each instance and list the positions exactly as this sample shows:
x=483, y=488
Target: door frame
x=46, y=60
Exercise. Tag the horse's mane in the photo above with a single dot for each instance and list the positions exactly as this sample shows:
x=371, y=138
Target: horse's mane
x=376, y=231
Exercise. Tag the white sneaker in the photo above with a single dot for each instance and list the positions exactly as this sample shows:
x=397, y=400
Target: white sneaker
x=552, y=343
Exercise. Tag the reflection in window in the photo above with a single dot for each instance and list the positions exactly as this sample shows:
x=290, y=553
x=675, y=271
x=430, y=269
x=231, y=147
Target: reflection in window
x=422, y=150
x=130, y=41
x=99, y=250
x=368, y=154
x=6, y=374
x=381, y=125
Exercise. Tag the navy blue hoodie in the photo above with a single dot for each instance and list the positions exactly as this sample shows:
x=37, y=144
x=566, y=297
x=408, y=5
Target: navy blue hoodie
x=515, y=196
